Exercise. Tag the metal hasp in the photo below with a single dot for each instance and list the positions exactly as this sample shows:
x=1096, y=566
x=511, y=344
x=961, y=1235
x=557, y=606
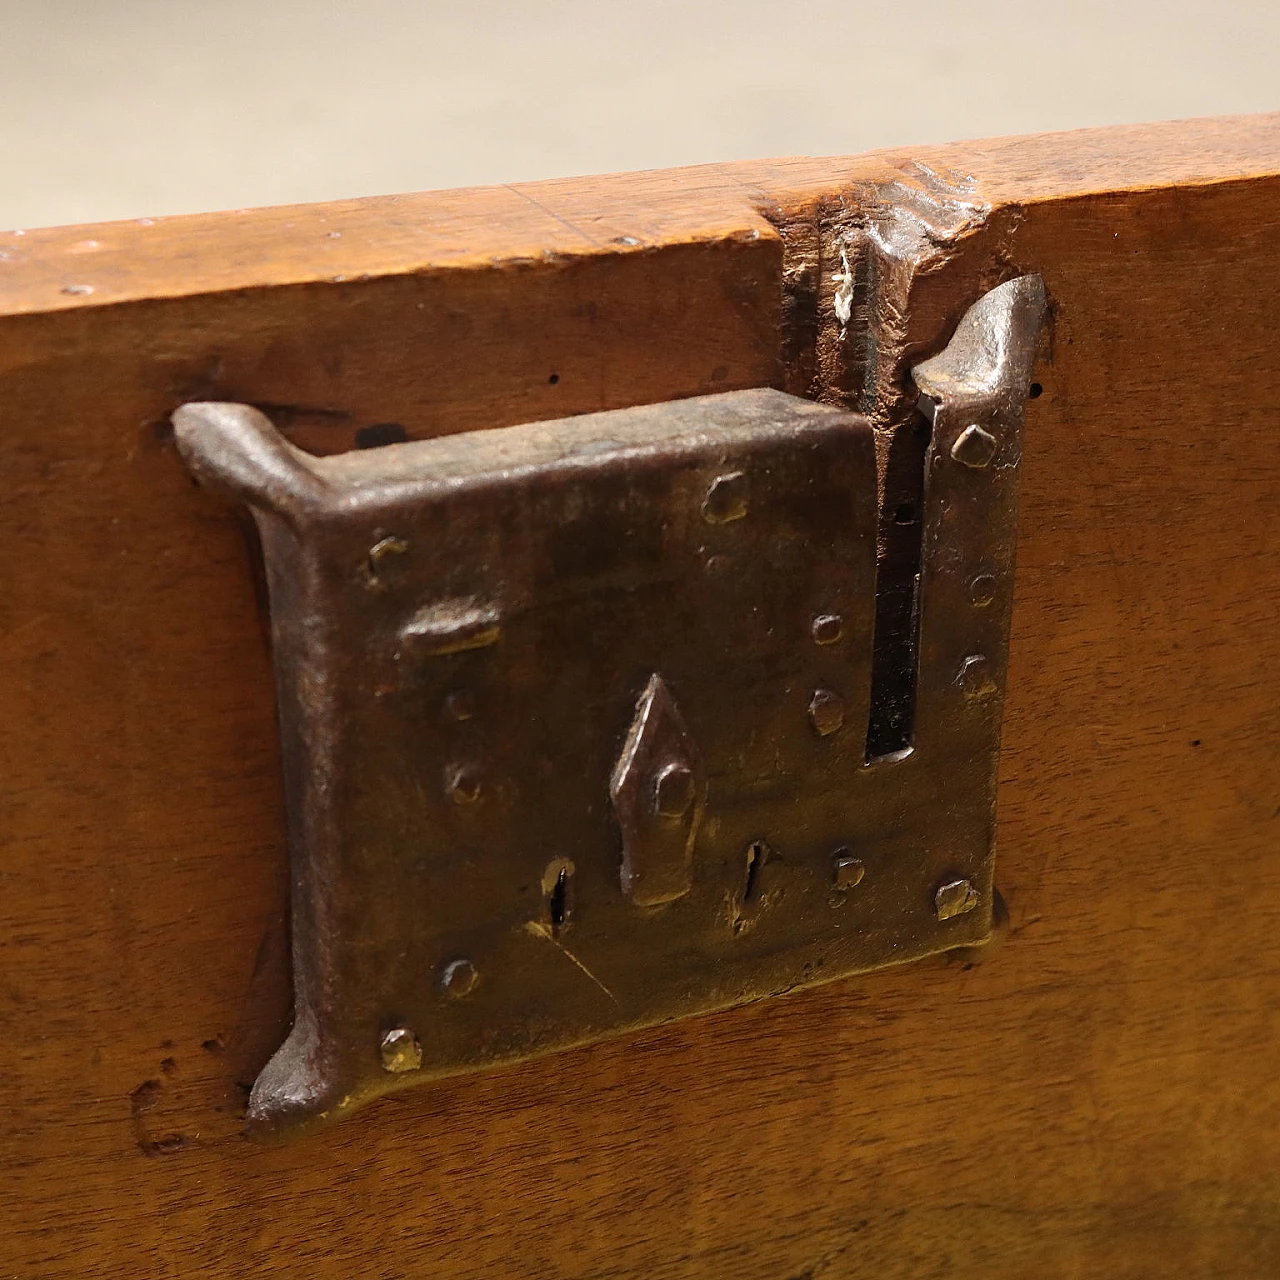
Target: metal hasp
x=574, y=715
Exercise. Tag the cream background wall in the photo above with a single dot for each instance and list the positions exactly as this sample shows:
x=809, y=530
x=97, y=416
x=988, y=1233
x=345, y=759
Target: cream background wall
x=125, y=108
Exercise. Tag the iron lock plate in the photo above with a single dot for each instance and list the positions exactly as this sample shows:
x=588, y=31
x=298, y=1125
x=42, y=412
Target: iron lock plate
x=574, y=714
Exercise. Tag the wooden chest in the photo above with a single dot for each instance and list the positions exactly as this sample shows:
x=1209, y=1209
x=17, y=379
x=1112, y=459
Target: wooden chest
x=1097, y=1096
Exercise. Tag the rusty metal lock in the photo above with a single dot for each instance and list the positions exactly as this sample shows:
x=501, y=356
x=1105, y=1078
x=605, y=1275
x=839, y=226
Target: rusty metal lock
x=575, y=714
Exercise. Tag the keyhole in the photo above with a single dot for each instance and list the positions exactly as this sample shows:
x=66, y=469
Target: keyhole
x=757, y=855
x=557, y=902
x=557, y=885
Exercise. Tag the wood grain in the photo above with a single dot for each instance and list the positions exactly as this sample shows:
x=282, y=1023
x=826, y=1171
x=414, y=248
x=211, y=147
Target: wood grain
x=1099, y=1098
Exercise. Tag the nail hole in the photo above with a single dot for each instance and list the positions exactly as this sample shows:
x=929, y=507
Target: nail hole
x=1195, y=742
x=555, y=377
x=380, y=433
x=1035, y=391
x=905, y=513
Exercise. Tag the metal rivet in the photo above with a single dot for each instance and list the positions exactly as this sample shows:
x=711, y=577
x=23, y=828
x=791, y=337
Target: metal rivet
x=385, y=562
x=983, y=951
x=657, y=856
x=974, y=447
x=673, y=791
x=385, y=547
x=458, y=978
x=975, y=677
x=827, y=628
x=462, y=783
x=982, y=590
x=826, y=711
x=954, y=899
x=726, y=499
x=460, y=704
x=400, y=1050
x=847, y=870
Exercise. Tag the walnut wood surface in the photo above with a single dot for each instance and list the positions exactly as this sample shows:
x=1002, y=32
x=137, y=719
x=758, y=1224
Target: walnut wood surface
x=1100, y=1097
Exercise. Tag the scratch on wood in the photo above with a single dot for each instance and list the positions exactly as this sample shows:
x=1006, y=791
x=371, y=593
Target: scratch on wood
x=551, y=213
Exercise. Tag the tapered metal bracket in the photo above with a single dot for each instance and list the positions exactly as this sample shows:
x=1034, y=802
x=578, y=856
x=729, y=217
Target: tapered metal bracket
x=574, y=715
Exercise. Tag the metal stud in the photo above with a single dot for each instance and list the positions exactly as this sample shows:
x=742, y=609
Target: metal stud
x=674, y=790
x=460, y=704
x=400, y=1051
x=982, y=589
x=827, y=628
x=462, y=784
x=726, y=499
x=826, y=712
x=458, y=978
x=847, y=870
x=954, y=898
x=974, y=447
x=975, y=678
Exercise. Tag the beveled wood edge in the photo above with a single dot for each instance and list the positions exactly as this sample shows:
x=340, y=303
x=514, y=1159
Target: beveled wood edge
x=64, y=268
